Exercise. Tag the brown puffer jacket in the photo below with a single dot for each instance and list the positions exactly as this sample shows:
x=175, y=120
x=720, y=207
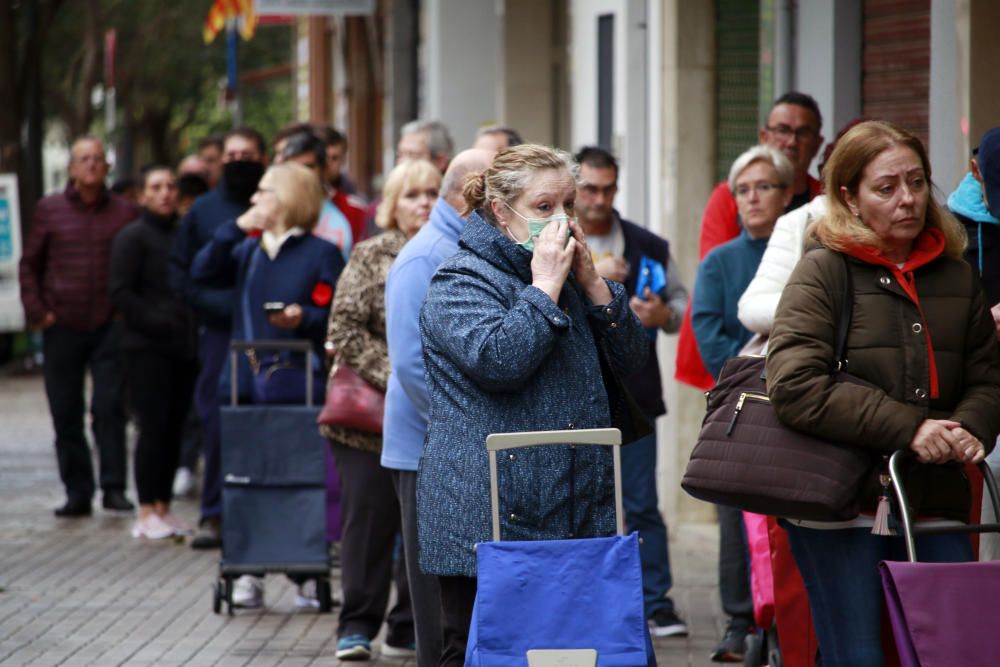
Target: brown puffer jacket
x=888, y=347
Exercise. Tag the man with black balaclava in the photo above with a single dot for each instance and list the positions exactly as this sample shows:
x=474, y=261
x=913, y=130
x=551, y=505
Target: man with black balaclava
x=243, y=160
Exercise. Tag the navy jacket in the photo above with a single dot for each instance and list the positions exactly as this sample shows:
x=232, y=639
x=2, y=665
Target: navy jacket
x=500, y=356
x=304, y=271
x=212, y=301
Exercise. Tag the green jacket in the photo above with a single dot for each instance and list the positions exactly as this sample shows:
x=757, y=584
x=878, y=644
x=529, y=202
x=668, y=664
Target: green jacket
x=889, y=347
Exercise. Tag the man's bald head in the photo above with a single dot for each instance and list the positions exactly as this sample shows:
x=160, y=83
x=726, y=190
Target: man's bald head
x=473, y=160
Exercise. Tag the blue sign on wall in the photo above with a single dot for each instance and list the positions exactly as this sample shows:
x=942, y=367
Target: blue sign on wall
x=6, y=233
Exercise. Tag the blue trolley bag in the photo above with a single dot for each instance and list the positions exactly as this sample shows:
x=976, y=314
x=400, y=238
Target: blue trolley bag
x=559, y=602
x=274, y=482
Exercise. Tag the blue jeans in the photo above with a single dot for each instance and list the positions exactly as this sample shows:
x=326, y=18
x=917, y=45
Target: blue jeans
x=840, y=570
x=642, y=513
x=213, y=346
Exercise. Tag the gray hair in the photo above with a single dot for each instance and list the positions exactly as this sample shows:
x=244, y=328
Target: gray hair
x=762, y=153
x=438, y=138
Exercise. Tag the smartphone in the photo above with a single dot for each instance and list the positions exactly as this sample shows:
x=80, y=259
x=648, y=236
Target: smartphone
x=274, y=307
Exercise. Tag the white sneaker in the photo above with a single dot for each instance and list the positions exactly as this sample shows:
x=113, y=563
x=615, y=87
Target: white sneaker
x=248, y=592
x=306, y=597
x=183, y=482
x=152, y=527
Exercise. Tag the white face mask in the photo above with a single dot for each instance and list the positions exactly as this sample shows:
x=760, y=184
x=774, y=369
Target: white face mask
x=535, y=227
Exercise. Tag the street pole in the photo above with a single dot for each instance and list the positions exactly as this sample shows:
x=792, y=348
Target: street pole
x=232, y=72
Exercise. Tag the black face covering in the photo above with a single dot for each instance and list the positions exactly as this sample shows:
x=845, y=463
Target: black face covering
x=241, y=178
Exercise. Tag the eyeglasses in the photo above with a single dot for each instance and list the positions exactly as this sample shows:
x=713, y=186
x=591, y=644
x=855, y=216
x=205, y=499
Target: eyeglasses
x=786, y=132
x=743, y=191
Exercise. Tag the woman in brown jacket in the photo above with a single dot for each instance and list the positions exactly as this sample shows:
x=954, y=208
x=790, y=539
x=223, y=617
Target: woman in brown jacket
x=369, y=508
x=921, y=336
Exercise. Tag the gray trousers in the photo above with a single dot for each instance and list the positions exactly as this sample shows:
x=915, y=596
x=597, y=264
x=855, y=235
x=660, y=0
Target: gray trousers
x=734, y=568
x=425, y=594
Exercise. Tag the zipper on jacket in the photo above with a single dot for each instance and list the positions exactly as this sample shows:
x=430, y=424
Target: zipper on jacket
x=753, y=396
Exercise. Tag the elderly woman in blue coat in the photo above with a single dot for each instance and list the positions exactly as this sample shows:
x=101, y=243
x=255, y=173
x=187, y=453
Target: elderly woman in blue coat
x=511, y=328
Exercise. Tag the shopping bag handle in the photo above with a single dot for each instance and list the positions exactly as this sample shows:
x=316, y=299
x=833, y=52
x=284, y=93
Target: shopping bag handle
x=292, y=345
x=588, y=436
x=910, y=530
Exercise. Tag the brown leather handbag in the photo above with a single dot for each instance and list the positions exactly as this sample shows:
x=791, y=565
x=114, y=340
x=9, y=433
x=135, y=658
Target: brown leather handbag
x=746, y=458
x=351, y=402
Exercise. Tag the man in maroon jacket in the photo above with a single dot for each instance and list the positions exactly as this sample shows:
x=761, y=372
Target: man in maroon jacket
x=64, y=289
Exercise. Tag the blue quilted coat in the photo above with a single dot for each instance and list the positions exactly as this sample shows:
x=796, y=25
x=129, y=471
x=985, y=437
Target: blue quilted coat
x=500, y=356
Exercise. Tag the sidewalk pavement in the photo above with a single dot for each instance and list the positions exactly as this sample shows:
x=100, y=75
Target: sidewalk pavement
x=83, y=592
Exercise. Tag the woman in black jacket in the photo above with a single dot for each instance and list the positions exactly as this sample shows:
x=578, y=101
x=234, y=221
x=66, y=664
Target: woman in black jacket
x=158, y=344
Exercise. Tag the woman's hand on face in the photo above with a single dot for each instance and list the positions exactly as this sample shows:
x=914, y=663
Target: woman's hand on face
x=585, y=271
x=969, y=448
x=552, y=259
x=289, y=318
x=252, y=219
x=935, y=441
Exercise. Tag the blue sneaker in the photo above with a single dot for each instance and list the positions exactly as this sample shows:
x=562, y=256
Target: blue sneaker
x=354, y=647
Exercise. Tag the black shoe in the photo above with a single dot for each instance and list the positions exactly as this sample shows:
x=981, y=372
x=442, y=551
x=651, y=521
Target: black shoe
x=732, y=646
x=116, y=501
x=209, y=535
x=666, y=623
x=74, y=508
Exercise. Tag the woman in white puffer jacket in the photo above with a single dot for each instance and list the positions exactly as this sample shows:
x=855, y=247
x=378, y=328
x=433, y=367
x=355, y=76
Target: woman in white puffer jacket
x=760, y=300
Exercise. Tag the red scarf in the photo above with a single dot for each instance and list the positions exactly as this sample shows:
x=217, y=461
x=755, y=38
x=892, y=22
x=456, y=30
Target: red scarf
x=928, y=246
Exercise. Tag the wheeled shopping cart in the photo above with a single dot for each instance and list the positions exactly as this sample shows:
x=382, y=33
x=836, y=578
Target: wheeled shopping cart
x=558, y=602
x=274, y=488
x=942, y=613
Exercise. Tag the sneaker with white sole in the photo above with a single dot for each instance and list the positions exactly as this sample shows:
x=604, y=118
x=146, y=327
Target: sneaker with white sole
x=354, y=647
x=248, y=592
x=178, y=524
x=183, y=482
x=390, y=651
x=666, y=623
x=305, y=596
x=152, y=527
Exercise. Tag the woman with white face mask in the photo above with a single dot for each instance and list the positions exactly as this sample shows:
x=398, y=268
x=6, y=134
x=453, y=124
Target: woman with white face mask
x=511, y=328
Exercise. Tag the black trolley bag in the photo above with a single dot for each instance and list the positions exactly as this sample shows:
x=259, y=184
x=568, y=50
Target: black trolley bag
x=273, y=488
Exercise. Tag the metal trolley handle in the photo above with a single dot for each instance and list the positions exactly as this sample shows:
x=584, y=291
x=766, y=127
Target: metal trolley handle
x=910, y=530
x=591, y=436
x=292, y=345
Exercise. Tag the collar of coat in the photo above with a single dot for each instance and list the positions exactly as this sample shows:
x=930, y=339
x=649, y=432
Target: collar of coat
x=928, y=246
x=489, y=243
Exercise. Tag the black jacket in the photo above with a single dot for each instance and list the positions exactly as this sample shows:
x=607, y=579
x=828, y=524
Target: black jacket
x=154, y=318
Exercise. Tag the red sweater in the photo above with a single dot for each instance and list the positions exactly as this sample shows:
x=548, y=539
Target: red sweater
x=67, y=254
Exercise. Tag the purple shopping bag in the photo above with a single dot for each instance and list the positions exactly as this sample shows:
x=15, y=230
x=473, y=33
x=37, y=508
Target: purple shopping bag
x=943, y=614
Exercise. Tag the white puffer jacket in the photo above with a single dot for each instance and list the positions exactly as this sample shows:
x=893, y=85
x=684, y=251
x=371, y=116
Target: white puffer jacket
x=784, y=248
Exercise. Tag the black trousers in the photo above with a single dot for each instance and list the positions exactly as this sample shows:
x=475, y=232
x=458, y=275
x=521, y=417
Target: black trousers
x=458, y=595
x=369, y=514
x=160, y=389
x=68, y=356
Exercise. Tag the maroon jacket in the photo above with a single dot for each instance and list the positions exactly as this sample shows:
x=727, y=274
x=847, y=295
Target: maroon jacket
x=64, y=265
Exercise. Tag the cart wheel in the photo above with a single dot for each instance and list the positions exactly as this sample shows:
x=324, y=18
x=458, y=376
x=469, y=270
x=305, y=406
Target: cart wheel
x=324, y=595
x=753, y=649
x=217, y=597
x=229, y=595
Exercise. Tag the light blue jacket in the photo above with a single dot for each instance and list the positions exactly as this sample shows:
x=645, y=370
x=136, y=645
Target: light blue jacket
x=500, y=356
x=407, y=402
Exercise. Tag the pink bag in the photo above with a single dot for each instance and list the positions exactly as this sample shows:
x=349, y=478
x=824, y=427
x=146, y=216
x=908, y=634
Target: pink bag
x=761, y=577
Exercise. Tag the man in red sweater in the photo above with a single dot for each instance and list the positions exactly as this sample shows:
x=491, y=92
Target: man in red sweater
x=794, y=127
x=64, y=290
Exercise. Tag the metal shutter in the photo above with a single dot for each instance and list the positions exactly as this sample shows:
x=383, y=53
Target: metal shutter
x=897, y=63
x=737, y=33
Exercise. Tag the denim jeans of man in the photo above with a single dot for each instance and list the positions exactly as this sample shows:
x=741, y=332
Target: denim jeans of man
x=734, y=568
x=840, y=570
x=642, y=513
x=213, y=345
x=68, y=356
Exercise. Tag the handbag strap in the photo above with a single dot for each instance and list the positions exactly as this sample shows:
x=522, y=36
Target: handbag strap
x=844, y=322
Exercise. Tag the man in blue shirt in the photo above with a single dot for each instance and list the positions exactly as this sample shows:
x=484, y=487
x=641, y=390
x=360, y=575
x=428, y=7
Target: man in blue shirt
x=407, y=402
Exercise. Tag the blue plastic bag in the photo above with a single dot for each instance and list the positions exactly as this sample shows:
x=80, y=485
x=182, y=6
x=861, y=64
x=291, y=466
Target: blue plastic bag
x=559, y=594
x=652, y=274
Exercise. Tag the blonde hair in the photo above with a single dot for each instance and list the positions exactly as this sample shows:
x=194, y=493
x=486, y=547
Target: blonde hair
x=418, y=172
x=299, y=193
x=762, y=153
x=511, y=172
x=839, y=228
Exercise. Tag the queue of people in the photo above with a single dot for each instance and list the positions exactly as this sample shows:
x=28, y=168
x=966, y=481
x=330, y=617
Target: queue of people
x=493, y=291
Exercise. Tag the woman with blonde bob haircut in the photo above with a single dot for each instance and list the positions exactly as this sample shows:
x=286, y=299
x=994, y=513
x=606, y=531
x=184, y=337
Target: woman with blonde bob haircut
x=369, y=506
x=921, y=339
x=298, y=192
x=410, y=177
